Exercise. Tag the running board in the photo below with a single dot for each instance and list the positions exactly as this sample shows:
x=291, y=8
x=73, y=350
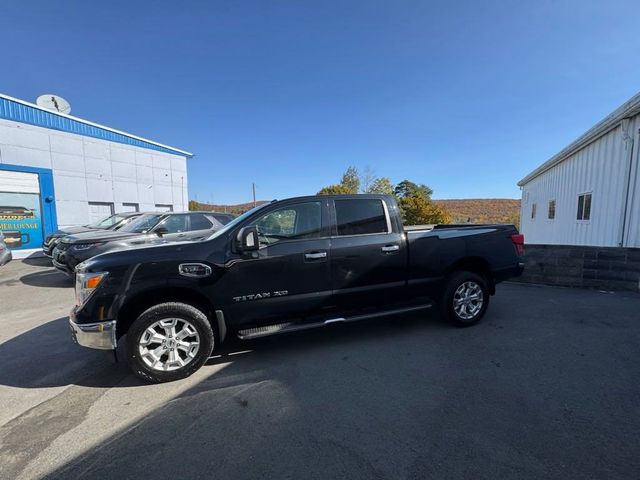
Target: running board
x=278, y=328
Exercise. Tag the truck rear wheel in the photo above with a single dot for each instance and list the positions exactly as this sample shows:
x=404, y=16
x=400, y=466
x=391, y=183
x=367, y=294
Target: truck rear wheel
x=168, y=342
x=465, y=298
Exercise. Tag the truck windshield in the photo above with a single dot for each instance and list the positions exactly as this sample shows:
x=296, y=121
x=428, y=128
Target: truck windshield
x=142, y=224
x=229, y=226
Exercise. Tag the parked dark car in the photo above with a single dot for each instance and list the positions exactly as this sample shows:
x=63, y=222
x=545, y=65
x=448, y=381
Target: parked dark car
x=5, y=253
x=112, y=222
x=146, y=229
x=284, y=266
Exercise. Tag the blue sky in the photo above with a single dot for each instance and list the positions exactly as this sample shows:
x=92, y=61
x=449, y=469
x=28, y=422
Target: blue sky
x=464, y=96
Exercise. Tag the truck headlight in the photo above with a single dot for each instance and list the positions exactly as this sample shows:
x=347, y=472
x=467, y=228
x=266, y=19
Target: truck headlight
x=86, y=284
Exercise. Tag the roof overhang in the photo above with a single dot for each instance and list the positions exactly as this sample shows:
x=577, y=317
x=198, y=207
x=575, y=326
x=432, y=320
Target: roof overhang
x=30, y=113
x=627, y=110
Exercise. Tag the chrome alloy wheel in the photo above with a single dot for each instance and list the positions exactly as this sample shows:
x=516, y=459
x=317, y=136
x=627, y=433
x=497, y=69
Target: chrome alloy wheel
x=468, y=299
x=169, y=344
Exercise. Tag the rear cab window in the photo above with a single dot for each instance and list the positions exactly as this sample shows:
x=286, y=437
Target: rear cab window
x=362, y=216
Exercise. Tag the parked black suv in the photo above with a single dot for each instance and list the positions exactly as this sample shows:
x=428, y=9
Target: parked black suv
x=112, y=222
x=150, y=228
x=300, y=263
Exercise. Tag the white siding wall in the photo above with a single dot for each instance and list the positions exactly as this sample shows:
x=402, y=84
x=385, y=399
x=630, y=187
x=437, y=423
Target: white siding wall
x=87, y=169
x=632, y=231
x=600, y=168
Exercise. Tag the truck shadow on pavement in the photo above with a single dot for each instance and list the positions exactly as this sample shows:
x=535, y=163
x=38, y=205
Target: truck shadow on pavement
x=241, y=379
x=46, y=357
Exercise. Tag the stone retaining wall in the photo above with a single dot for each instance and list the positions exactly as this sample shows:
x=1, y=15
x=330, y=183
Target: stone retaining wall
x=603, y=268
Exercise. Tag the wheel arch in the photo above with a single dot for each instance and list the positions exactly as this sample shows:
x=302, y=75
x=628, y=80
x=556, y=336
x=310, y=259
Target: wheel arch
x=138, y=303
x=476, y=265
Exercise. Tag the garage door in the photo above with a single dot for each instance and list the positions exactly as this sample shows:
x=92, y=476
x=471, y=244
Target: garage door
x=20, y=209
x=99, y=211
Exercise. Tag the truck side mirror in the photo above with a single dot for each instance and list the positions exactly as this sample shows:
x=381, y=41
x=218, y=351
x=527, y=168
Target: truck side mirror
x=248, y=239
x=161, y=231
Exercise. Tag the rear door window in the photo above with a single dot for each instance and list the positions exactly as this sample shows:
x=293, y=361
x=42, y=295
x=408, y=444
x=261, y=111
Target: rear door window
x=360, y=217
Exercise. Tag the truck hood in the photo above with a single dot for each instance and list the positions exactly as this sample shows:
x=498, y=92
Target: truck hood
x=126, y=255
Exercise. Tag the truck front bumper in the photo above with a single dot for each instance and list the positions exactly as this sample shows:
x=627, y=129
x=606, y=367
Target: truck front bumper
x=100, y=335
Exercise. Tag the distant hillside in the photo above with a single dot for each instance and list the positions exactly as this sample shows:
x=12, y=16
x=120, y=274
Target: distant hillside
x=482, y=210
x=476, y=210
x=235, y=209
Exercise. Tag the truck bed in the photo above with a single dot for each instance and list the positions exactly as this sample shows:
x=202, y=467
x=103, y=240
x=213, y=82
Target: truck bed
x=434, y=249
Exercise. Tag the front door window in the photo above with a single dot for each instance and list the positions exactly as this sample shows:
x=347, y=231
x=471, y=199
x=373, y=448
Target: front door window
x=292, y=222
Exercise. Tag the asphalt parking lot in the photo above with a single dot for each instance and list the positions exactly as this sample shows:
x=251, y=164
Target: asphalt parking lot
x=547, y=386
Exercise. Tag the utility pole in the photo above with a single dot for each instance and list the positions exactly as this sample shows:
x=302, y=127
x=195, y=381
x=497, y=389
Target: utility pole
x=254, y=194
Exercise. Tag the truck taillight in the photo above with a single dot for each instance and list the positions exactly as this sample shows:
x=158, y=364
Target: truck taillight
x=518, y=242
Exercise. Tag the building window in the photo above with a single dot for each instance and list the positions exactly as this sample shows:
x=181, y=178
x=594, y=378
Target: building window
x=533, y=211
x=99, y=211
x=164, y=208
x=552, y=210
x=584, y=206
x=130, y=207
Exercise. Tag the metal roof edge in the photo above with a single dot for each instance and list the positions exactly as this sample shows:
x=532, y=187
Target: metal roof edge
x=628, y=109
x=96, y=125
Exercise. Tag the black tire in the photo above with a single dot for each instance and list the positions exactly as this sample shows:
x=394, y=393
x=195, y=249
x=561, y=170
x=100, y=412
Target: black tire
x=469, y=314
x=185, y=315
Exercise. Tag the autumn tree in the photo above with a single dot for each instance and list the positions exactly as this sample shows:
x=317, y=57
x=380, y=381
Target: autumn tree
x=350, y=183
x=409, y=189
x=351, y=180
x=381, y=185
x=416, y=205
x=414, y=199
x=337, y=189
x=420, y=210
x=367, y=176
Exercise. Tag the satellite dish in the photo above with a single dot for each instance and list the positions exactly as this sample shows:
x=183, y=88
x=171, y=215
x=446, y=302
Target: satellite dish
x=53, y=102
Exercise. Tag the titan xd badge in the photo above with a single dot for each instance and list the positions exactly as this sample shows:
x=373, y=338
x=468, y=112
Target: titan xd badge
x=260, y=296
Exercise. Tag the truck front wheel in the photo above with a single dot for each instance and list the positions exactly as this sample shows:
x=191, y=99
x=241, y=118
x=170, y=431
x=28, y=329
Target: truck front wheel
x=168, y=342
x=465, y=298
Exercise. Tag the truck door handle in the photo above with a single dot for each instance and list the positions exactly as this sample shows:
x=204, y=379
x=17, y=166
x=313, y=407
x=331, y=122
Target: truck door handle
x=315, y=255
x=390, y=248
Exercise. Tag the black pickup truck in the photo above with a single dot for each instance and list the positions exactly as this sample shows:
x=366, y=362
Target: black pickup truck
x=287, y=265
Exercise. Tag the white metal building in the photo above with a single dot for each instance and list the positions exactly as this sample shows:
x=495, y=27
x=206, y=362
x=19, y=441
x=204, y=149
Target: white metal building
x=57, y=170
x=589, y=193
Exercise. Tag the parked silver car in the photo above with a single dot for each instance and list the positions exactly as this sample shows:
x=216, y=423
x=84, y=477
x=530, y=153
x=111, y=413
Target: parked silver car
x=5, y=253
